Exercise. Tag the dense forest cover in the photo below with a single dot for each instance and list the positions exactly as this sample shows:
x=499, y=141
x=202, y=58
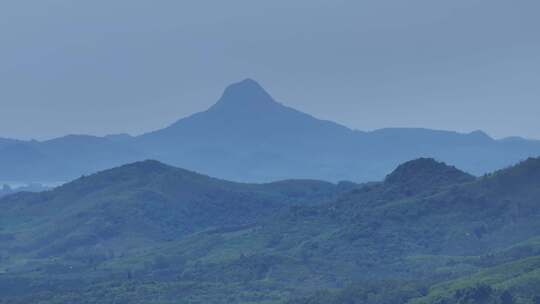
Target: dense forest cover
x=151, y=233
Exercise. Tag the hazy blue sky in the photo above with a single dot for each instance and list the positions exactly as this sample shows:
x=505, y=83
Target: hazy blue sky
x=112, y=66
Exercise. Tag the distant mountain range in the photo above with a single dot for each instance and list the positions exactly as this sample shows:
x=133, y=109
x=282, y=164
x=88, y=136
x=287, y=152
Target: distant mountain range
x=146, y=232
x=248, y=136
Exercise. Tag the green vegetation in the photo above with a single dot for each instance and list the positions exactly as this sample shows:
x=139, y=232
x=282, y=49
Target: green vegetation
x=150, y=233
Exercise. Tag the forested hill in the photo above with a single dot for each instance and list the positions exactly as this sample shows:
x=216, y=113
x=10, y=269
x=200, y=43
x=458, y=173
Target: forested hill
x=147, y=201
x=151, y=233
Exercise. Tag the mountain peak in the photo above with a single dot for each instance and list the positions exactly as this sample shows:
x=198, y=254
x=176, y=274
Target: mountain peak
x=480, y=135
x=244, y=94
x=426, y=173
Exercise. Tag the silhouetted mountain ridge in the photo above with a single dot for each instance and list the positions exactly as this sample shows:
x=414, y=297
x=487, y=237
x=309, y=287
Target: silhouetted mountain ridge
x=248, y=136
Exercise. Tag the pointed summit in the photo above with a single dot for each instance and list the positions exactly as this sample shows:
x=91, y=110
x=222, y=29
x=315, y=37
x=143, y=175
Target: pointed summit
x=244, y=94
